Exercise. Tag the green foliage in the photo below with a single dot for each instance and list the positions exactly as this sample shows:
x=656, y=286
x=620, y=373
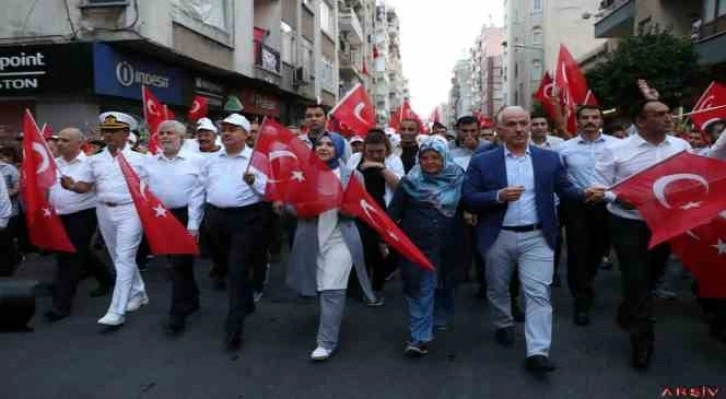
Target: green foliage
x=668, y=63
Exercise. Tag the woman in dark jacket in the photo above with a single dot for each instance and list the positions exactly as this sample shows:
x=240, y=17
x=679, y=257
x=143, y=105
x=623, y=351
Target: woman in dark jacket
x=425, y=205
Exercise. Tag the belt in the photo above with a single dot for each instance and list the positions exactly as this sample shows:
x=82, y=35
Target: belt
x=525, y=228
x=114, y=204
x=250, y=207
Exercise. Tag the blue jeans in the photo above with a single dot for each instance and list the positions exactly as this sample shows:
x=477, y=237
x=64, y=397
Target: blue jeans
x=421, y=310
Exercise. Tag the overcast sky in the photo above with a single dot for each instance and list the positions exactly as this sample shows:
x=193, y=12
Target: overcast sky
x=434, y=35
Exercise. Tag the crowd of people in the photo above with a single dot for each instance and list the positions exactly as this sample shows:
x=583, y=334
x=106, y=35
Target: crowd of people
x=503, y=202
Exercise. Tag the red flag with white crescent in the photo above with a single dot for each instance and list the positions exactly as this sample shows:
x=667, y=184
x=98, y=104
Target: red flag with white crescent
x=45, y=228
x=198, y=109
x=573, y=88
x=356, y=201
x=295, y=175
x=355, y=111
x=711, y=106
x=165, y=234
x=703, y=251
x=681, y=193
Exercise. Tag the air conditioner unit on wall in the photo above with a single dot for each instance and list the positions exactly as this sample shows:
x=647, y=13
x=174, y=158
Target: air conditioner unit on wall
x=300, y=76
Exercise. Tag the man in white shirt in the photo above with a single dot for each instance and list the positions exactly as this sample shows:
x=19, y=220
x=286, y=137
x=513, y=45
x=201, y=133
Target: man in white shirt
x=630, y=235
x=6, y=207
x=235, y=192
x=176, y=178
x=77, y=212
x=540, y=136
x=117, y=217
x=207, y=141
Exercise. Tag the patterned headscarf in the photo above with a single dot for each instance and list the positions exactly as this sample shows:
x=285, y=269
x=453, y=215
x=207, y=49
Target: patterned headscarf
x=338, y=145
x=443, y=190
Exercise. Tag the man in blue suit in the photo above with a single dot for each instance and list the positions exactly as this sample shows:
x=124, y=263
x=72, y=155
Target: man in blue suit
x=511, y=188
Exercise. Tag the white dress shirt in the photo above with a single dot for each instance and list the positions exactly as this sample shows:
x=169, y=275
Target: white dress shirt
x=627, y=157
x=192, y=145
x=392, y=162
x=67, y=201
x=551, y=142
x=520, y=172
x=110, y=183
x=224, y=176
x=6, y=207
x=178, y=182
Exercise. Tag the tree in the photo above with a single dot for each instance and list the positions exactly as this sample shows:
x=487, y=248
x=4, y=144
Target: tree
x=668, y=63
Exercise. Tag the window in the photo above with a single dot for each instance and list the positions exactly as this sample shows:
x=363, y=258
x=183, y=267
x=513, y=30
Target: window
x=307, y=56
x=709, y=10
x=208, y=12
x=328, y=77
x=537, y=36
x=287, y=53
x=536, y=70
x=536, y=5
x=326, y=18
x=721, y=8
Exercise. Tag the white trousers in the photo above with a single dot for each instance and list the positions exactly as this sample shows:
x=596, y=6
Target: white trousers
x=121, y=230
x=530, y=252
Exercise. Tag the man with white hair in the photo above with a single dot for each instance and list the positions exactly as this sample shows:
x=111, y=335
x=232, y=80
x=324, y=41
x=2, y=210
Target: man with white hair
x=511, y=189
x=175, y=177
x=117, y=217
x=235, y=191
x=77, y=212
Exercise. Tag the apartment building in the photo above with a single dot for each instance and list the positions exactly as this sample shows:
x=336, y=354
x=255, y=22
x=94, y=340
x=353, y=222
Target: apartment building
x=486, y=58
x=69, y=60
x=389, y=86
x=533, y=32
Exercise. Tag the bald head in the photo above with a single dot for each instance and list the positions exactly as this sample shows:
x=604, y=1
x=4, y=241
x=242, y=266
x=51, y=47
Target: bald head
x=70, y=140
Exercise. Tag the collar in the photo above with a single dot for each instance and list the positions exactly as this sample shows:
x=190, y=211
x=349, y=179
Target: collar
x=80, y=157
x=246, y=153
x=581, y=139
x=179, y=155
x=640, y=141
x=508, y=153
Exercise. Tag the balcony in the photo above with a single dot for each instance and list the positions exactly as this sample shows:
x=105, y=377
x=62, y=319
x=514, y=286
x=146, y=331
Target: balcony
x=267, y=63
x=617, y=21
x=711, y=41
x=350, y=27
x=350, y=64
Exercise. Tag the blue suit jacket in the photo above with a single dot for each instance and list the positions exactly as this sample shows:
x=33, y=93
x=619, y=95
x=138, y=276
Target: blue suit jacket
x=487, y=175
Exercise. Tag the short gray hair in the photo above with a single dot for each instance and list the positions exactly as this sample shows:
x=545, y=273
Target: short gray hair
x=175, y=125
x=500, y=115
x=75, y=132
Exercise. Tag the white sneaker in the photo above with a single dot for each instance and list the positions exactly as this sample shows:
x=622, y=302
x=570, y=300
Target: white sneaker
x=136, y=302
x=112, y=319
x=320, y=354
x=257, y=296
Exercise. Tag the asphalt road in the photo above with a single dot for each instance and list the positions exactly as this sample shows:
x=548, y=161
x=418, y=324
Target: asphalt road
x=70, y=359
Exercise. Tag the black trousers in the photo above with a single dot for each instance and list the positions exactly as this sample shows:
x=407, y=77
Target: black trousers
x=375, y=262
x=235, y=236
x=184, y=289
x=586, y=226
x=261, y=254
x=640, y=270
x=80, y=227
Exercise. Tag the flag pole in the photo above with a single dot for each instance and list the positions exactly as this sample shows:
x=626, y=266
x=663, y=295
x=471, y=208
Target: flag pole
x=700, y=111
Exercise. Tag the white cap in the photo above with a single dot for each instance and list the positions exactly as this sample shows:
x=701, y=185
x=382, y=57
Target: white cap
x=206, y=124
x=356, y=139
x=389, y=131
x=117, y=120
x=395, y=140
x=133, y=139
x=238, y=120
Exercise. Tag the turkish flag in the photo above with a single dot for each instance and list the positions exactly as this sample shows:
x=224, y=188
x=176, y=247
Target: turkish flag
x=198, y=109
x=683, y=192
x=403, y=113
x=165, y=234
x=356, y=111
x=45, y=228
x=703, y=251
x=47, y=131
x=295, y=175
x=713, y=98
x=573, y=88
x=356, y=201
x=545, y=93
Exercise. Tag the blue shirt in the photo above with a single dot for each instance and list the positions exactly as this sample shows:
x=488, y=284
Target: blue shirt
x=579, y=157
x=520, y=173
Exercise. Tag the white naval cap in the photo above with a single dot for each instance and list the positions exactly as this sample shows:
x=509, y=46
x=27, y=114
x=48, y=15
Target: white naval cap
x=117, y=120
x=206, y=124
x=238, y=120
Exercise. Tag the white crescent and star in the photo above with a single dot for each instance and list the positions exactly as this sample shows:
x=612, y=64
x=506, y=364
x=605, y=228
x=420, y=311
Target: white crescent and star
x=281, y=154
x=46, y=212
x=358, y=110
x=159, y=211
x=142, y=189
x=45, y=160
x=720, y=247
x=195, y=107
x=707, y=103
x=660, y=185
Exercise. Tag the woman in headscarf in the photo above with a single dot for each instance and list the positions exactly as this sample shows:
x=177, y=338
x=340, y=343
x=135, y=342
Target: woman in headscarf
x=324, y=250
x=425, y=205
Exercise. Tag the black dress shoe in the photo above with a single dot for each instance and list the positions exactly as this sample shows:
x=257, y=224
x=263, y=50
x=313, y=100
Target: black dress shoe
x=233, y=342
x=539, y=364
x=53, y=316
x=505, y=336
x=641, y=354
x=582, y=318
x=175, y=325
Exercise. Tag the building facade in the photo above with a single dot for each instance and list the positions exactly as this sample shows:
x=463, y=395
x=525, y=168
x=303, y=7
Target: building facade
x=533, y=33
x=258, y=57
x=389, y=86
